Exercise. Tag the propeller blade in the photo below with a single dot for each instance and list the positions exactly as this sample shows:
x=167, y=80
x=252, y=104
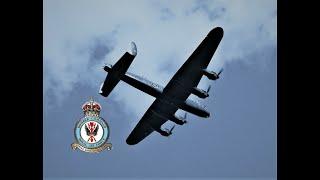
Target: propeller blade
x=185, y=116
x=220, y=71
x=208, y=88
x=172, y=129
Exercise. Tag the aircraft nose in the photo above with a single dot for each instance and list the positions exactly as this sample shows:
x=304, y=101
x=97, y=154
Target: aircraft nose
x=218, y=31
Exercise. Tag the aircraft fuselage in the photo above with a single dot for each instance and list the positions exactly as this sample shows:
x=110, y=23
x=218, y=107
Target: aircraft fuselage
x=156, y=90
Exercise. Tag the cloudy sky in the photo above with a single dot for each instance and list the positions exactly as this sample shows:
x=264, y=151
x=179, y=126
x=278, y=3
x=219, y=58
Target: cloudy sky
x=238, y=140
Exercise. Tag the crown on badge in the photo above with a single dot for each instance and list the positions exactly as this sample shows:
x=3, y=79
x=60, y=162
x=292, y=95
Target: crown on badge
x=91, y=108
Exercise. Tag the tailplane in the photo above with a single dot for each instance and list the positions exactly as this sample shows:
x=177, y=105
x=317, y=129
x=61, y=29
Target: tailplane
x=116, y=71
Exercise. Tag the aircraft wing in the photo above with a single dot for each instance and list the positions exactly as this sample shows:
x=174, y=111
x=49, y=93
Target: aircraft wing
x=151, y=121
x=142, y=129
x=189, y=75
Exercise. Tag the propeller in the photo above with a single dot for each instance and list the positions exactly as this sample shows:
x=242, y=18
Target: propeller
x=220, y=71
x=184, y=118
x=170, y=131
x=105, y=64
x=218, y=74
x=209, y=87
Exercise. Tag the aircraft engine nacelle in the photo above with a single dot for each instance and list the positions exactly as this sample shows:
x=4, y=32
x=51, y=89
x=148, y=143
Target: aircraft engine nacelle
x=107, y=67
x=210, y=74
x=194, y=107
x=200, y=92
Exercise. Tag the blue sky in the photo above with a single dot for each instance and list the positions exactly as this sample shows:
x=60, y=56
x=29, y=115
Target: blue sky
x=238, y=140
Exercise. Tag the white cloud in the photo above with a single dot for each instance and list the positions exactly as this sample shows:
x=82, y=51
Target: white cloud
x=164, y=31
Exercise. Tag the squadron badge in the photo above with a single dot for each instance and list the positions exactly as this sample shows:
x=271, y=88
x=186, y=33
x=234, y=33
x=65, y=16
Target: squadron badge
x=91, y=131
